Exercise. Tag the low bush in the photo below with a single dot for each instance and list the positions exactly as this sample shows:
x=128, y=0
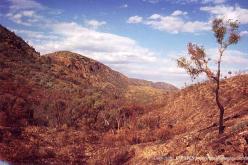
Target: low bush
x=117, y=156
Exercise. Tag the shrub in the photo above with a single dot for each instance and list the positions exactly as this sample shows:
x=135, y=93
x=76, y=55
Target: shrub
x=163, y=134
x=118, y=157
x=149, y=122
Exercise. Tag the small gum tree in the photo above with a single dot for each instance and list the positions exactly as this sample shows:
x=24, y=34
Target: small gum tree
x=226, y=34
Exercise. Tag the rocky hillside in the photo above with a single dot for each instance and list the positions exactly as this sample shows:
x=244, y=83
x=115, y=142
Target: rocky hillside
x=85, y=69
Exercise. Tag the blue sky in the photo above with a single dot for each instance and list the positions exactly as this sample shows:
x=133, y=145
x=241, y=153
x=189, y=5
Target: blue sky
x=140, y=38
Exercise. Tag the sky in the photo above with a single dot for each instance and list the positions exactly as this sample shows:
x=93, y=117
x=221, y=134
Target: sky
x=139, y=38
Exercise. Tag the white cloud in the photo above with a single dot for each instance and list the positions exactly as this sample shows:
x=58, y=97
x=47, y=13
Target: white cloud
x=25, y=4
x=232, y=60
x=102, y=46
x=94, y=24
x=175, y=23
x=178, y=13
x=243, y=33
x=228, y=12
x=236, y=57
x=24, y=17
x=134, y=19
x=36, y=35
x=29, y=12
x=155, y=16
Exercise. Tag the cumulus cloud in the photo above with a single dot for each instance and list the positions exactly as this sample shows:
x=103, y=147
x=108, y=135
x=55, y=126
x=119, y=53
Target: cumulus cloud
x=176, y=22
x=24, y=17
x=228, y=12
x=243, y=33
x=232, y=60
x=236, y=57
x=178, y=13
x=173, y=23
x=155, y=16
x=164, y=71
x=35, y=36
x=94, y=24
x=25, y=4
x=134, y=19
x=102, y=46
x=28, y=12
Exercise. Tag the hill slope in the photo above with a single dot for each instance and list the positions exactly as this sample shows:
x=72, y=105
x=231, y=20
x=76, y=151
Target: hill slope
x=189, y=125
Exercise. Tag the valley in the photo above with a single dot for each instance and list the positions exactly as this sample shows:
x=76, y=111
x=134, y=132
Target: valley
x=65, y=108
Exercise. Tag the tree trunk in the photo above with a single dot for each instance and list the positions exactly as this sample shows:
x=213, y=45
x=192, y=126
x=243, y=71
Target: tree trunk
x=220, y=106
x=221, y=121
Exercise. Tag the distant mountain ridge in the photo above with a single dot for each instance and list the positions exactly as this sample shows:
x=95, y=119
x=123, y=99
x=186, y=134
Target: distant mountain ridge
x=158, y=85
